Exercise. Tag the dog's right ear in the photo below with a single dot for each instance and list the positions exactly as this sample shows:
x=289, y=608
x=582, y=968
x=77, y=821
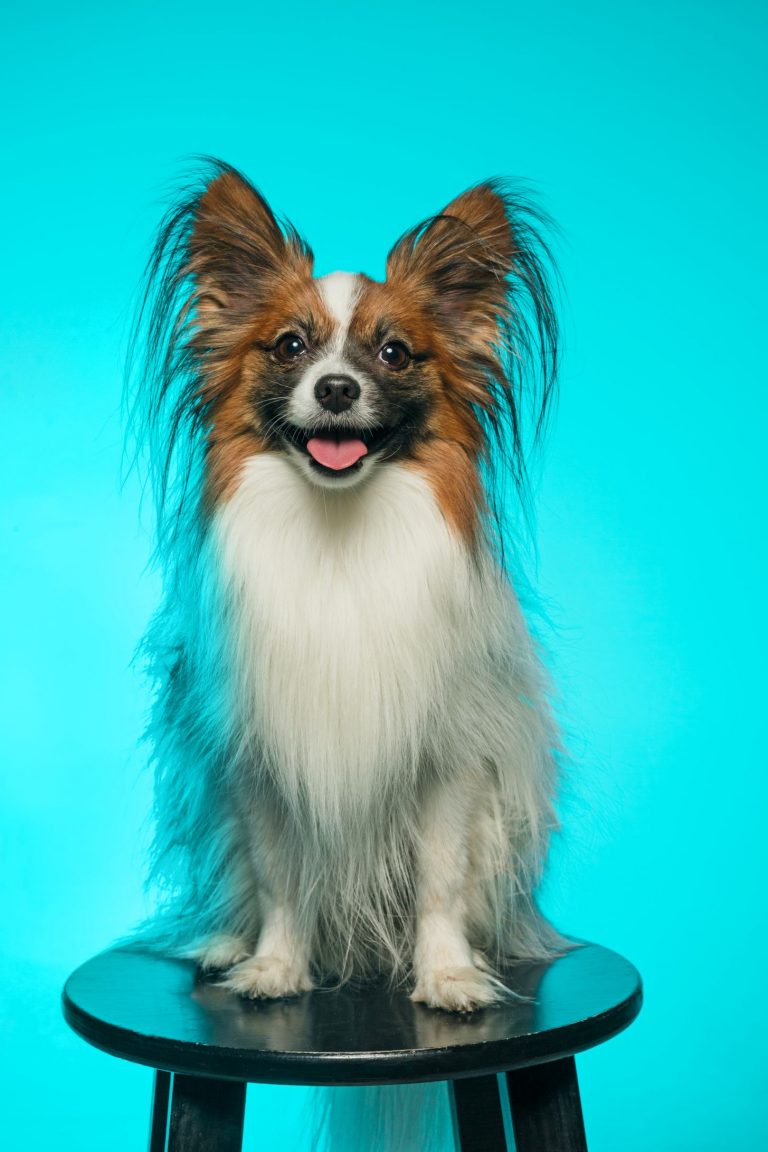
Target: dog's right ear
x=218, y=258
x=236, y=247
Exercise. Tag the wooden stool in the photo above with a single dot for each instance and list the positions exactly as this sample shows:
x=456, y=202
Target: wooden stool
x=207, y=1044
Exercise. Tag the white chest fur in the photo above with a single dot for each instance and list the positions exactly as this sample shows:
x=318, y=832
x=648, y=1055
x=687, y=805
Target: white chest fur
x=349, y=614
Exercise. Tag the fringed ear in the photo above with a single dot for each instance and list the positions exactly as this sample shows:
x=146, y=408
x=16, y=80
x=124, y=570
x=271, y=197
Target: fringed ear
x=218, y=256
x=459, y=262
x=237, y=248
x=482, y=270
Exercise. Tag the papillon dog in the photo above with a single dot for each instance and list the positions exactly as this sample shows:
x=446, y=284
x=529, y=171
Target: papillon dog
x=354, y=752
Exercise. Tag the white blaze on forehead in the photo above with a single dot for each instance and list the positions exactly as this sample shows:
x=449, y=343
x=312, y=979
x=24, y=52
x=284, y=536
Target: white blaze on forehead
x=340, y=291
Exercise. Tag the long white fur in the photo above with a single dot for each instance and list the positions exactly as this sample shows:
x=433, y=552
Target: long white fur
x=372, y=703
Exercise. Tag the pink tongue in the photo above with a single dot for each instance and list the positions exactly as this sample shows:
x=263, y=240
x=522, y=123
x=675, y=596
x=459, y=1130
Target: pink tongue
x=336, y=454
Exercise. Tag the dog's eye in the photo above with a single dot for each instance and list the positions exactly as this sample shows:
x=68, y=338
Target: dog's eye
x=395, y=355
x=289, y=347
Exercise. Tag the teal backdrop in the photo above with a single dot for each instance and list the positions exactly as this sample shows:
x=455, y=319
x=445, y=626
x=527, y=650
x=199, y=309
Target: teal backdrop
x=642, y=125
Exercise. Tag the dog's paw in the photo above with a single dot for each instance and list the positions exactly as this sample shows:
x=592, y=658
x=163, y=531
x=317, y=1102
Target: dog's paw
x=456, y=989
x=218, y=953
x=268, y=978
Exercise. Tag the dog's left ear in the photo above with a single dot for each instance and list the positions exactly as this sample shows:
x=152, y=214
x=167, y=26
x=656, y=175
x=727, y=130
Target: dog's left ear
x=459, y=262
x=483, y=272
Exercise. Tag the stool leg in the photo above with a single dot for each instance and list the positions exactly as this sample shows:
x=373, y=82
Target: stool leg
x=206, y=1115
x=546, y=1108
x=478, y=1123
x=158, y=1124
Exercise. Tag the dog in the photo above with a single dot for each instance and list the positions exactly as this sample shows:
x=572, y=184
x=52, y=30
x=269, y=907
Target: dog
x=355, y=757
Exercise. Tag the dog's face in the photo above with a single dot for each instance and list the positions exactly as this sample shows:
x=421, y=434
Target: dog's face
x=341, y=373
x=340, y=379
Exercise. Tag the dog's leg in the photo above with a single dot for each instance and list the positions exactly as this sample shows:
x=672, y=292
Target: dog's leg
x=445, y=968
x=219, y=952
x=280, y=965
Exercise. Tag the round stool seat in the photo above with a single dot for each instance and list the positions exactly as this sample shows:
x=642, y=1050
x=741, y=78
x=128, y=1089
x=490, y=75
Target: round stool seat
x=160, y=1012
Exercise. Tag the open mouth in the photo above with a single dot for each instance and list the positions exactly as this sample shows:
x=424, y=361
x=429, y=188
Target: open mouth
x=341, y=452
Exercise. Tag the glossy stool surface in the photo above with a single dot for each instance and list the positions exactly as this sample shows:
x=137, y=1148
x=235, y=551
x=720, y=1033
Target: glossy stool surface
x=157, y=1011
x=511, y=1068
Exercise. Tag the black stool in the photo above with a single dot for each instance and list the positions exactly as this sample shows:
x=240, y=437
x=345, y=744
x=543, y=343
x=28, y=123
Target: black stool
x=207, y=1044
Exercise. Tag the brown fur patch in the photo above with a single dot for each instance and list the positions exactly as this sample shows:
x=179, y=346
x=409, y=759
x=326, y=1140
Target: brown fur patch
x=235, y=433
x=448, y=454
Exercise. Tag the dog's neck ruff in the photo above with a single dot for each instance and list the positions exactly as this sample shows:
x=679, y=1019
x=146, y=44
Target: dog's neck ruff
x=350, y=617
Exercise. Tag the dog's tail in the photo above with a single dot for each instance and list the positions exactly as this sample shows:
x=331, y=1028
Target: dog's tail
x=383, y=1118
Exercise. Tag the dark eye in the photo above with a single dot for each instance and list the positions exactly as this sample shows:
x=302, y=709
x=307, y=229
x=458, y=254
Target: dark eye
x=395, y=355
x=289, y=347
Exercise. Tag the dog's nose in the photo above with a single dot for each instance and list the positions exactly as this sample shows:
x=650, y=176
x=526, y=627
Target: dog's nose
x=337, y=393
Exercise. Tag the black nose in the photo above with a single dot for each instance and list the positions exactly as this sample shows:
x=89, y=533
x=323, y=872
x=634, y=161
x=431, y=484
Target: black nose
x=337, y=393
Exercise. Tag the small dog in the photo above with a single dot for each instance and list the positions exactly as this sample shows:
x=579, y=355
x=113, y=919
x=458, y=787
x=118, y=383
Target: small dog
x=355, y=759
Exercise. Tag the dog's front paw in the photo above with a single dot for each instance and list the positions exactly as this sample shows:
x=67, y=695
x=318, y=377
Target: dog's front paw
x=456, y=989
x=220, y=952
x=268, y=978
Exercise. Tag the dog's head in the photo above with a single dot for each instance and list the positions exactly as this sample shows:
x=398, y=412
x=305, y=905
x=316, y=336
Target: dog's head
x=342, y=374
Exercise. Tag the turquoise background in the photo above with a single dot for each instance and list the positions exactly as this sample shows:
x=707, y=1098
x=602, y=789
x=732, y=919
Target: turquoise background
x=642, y=124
